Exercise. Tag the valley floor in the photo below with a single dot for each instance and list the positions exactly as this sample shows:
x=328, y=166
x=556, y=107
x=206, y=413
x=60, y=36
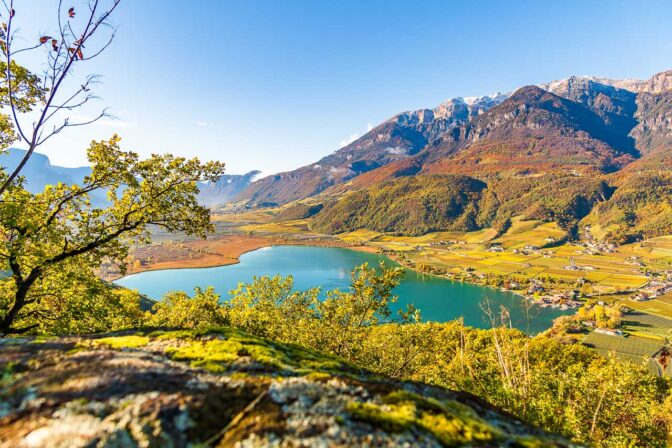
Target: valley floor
x=531, y=258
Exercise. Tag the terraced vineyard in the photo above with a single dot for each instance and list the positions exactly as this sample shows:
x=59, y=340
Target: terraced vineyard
x=644, y=324
x=633, y=349
x=636, y=347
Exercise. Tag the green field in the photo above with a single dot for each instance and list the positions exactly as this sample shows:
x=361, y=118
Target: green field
x=633, y=349
x=633, y=346
x=648, y=325
x=530, y=233
x=654, y=306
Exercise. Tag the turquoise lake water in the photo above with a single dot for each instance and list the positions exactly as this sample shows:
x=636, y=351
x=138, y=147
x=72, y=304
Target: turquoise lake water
x=437, y=299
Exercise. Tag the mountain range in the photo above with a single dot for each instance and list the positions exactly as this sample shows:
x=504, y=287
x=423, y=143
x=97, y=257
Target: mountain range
x=582, y=150
x=39, y=172
x=592, y=139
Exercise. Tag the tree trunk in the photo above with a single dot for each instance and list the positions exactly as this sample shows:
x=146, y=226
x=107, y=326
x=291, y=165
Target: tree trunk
x=19, y=303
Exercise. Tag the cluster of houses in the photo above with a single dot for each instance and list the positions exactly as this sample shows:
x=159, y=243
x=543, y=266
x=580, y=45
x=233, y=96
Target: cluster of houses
x=528, y=250
x=634, y=261
x=594, y=247
x=563, y=300
x=572, y=266
x=609, y=331
x=447, y=243
x=652, y=290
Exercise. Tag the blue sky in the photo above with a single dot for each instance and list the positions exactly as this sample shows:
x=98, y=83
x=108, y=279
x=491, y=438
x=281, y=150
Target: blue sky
x=273, y=85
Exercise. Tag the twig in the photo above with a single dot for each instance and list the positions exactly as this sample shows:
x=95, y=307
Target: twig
x=235, y=420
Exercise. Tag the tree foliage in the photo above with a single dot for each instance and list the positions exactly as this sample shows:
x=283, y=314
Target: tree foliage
x=409, y=206
x=54, y=240
x=424, y=203
x=178, y=310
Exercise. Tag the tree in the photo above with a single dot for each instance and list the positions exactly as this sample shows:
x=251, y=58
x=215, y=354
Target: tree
x=50, y=239
x=348, y=317
x=178, y=310
x=23, y=91
x=269, y=307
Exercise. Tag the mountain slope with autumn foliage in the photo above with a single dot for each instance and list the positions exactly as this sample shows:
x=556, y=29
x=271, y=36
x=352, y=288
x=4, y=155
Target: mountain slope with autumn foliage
x=581, y=148
x=398, y=138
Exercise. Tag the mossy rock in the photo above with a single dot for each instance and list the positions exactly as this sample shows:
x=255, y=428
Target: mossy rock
x=222, y=387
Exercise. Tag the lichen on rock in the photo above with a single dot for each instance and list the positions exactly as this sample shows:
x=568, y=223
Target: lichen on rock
x=226, y=388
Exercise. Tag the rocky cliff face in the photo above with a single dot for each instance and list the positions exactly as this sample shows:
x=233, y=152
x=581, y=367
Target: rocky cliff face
x=536, y=131
x=654, y=121
x=226, y=388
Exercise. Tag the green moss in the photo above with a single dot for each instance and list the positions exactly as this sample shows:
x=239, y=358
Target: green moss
x=532, y=442
x=177, y=334
x=448, y=421
x=318, y=376
x=42, y=339
x=213, y=355
x=119, y=342
x=224, y=346
x=390, y=420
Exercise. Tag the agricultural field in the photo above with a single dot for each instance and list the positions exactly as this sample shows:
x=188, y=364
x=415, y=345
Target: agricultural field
x=653, y=306
x=607, y=273
x=299, y=226
x=647, y=325
x=530, y=233
x=633, y=349
x=360, y=236
x=634, y=346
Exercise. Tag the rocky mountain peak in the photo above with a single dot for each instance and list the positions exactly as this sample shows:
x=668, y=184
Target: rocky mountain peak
x=658, y=83
x=467, y=107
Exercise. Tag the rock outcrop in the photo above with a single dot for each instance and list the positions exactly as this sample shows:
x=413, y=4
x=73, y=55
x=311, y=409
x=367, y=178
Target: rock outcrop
x=226, y=388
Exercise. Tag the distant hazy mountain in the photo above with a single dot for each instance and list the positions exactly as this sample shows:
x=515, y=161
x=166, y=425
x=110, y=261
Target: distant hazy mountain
x=225, y=189
x=39, y=172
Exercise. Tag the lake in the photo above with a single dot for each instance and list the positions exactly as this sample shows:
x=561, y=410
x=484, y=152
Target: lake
x=437, y=299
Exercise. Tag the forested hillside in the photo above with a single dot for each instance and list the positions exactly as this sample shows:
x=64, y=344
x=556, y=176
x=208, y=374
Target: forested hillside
x=581, y=150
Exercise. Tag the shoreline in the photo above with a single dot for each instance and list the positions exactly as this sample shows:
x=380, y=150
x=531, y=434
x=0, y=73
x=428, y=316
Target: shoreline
x=522, y=295
x=234, y=258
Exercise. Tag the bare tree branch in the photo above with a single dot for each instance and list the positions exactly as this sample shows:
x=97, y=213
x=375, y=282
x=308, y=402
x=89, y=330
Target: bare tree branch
x=65, y=52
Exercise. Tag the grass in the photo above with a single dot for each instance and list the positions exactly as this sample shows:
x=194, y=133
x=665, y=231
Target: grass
x=449, y=421
x=654, y=306
x=296, y=226
x=216, y=350
x=359, y=236
x=610, y=273
x=532, y=233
